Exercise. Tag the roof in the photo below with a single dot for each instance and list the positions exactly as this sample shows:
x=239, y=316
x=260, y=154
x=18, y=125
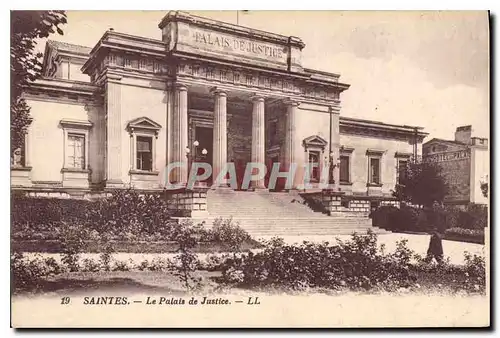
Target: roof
x=69, y=47
x=445, y=141
x=377, y=124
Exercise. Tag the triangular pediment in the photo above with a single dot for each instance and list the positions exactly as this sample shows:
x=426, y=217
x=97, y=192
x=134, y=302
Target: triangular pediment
x=315, y=141
x=143, y=123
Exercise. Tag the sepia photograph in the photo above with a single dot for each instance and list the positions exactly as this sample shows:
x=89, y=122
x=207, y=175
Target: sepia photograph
x=249, y=169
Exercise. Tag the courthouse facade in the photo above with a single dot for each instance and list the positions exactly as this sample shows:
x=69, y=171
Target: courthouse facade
x=115, y=115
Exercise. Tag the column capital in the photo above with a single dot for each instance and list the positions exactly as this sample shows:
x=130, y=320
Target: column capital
x=291, y=102
x=180, y=86
x=218, y=91
x=257, y=98
x=110, y=77
x=335, y=109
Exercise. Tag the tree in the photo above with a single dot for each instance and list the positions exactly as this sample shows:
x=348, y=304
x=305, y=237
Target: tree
x=25, y=64
x=422, y=184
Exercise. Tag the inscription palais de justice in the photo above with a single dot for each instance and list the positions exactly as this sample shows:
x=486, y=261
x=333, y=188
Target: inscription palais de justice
x=238, y=45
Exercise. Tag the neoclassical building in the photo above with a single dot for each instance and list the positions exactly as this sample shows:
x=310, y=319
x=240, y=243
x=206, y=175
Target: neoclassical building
x=116, y=114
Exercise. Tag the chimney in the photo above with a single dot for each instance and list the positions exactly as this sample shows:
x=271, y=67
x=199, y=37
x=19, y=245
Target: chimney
x=463, y=134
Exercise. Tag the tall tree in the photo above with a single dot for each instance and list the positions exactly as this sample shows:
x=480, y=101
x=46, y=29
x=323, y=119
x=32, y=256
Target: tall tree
x=422, y=184
x=25, y=64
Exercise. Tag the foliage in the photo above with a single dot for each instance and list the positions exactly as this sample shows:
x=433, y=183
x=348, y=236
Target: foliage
x=422, y=220
x=129, y=213
x=229, y=234
x=400, y=219
x=466, y=233
x=357, y=264
x=72, y=240
x=106, y=255
x=125, y=214
x=421, y=185
x=25, y=64
x=29, y=274
x=475, y=269
x=186, y=261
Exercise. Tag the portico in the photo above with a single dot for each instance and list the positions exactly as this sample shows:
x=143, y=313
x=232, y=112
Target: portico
x=232, y=72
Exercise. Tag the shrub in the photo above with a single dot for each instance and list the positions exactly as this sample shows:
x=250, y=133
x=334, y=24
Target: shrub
x=186, y=261
x=106, y=256
x=471, y=235
x=90, y=265
x=72, y=240
x=122, y=266
x=411, y=219
x=400, y=219
x=29, y=274
x=229, y=234
x=383, y=216
x=474, y=217
x=128, y=212
x=124, y=214
x=475, y=269
x=357, y=263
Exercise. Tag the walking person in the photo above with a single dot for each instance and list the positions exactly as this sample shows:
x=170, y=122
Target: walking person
x=435, y=249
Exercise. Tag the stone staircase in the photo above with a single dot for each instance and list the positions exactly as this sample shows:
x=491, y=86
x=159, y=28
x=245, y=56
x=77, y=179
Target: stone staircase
x=264, y=213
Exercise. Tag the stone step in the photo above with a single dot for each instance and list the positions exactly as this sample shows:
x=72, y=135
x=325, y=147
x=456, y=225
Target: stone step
x=266, y=213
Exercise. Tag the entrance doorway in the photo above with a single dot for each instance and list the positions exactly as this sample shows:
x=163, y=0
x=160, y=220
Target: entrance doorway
x=204, y=136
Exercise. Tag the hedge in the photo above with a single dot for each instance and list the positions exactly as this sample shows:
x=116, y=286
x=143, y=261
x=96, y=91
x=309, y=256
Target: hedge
x=406, y=218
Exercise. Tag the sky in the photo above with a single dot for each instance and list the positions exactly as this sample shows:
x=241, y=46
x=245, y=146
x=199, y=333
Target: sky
x=429, y=69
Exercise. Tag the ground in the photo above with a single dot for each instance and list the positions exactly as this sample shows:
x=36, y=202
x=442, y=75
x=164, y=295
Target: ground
x=419, y=243
x=331, y=309
x=430, y=303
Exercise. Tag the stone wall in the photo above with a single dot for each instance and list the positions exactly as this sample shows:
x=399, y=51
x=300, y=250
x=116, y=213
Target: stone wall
x=359, y=206
x=390, y=203
x=189, y=203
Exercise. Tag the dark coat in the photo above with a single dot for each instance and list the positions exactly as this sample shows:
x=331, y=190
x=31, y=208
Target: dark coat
x=436, y=245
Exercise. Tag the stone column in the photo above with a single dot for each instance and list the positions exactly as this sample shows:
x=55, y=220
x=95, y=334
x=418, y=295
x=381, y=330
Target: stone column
x=290, y=128
x=219, y=135
x=258, y=137
x=114, y=132
x=335, y=111
x=180, y=133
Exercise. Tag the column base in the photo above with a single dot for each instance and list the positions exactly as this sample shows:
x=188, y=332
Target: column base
x=114, y=184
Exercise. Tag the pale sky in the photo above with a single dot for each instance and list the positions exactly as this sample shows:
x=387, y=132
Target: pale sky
x=429, y=69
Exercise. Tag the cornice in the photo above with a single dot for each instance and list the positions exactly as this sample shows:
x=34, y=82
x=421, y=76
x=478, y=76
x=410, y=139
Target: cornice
x=375, y=126
x=123, y=43
x=180, y=16
x=54, y=89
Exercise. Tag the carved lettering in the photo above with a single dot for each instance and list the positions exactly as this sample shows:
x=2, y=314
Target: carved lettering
x=238, y=45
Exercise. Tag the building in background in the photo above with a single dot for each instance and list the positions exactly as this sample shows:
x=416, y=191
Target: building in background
x=465, y=165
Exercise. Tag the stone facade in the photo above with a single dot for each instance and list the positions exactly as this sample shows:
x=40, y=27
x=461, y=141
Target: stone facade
x=117, y=115
x=464, y=164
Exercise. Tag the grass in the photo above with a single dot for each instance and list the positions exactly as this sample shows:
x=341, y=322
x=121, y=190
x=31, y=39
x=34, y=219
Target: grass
x=163, y=282
x=54, y=246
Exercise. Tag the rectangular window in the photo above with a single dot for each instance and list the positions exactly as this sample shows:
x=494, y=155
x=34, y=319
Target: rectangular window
x=402, y=167
x=76, y=151
x=374, y=174
x=314, y=166
x=144, y=148
x=344, y=169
